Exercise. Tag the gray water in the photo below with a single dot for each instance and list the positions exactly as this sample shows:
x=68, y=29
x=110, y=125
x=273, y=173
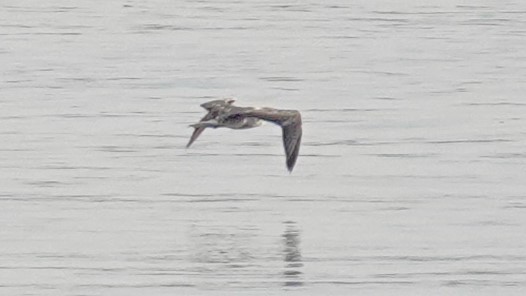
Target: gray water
x=411, y=178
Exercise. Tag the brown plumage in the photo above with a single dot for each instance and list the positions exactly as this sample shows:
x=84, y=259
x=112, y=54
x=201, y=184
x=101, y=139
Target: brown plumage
x=213, y=108
x=290, y=122
x=221, y=113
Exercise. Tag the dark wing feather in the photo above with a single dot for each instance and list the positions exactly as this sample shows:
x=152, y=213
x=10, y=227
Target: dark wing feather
x=199, y=130
x=291, y=141
x=214, y=108
x=195, y=135
x=290, y=122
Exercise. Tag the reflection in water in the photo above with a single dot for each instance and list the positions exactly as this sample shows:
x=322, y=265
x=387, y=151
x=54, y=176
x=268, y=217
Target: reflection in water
x=241, y=254
x=222, y=245
x=292, y=255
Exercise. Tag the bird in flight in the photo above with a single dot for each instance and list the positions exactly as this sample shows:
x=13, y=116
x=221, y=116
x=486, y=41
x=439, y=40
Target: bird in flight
x=222, y=113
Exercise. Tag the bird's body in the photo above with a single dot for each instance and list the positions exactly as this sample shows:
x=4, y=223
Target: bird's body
x=221, y=113
x=231, y=117
x=216, y=109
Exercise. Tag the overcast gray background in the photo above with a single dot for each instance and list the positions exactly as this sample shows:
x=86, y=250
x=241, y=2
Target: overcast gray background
x=411, y=178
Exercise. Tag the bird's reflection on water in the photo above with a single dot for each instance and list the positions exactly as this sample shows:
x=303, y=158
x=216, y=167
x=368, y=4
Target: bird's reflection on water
x=230, y=246
x=292, y=255
x=245, y=255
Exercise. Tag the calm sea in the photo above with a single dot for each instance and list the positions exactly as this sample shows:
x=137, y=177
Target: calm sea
x=411, y=178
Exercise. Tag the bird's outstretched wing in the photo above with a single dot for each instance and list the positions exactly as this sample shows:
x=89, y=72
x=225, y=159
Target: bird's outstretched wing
x=213, y=107
x=290, y=122
x=199, y=130
x=291, y=141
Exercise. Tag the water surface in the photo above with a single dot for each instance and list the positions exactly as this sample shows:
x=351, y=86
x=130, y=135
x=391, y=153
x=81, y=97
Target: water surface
x=410, y=179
